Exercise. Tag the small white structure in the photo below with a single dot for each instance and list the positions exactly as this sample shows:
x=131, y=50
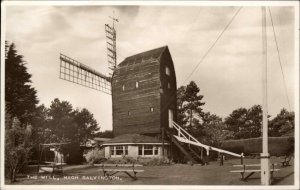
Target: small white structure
x=135, y=146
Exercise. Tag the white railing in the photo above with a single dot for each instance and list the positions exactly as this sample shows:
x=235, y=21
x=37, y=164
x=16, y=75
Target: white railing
x=185, y=137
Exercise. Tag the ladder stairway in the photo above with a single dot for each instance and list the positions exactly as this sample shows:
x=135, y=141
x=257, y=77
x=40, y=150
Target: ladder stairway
x=183, y=140
x=189, y=153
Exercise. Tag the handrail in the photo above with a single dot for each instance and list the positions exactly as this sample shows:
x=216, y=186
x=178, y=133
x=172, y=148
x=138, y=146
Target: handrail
x=179, y=131
x=175, y=124
x=197, y=143
x=192, y=142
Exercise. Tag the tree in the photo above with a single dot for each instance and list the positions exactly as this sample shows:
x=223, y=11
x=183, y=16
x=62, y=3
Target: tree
x=17, y=148
x=85, y=125
x=20, y=107
x=40, y=123
x=193, y=101
x=282, y=124
x=253, y=124
x=245, y=123
x=235, y=122
x=214, y=128
x=189, y=105
x=68, y=125
x=20, y=97
x=61, y=124
x=180, y=109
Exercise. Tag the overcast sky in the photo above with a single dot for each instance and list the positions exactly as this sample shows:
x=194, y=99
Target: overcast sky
x=229, y=77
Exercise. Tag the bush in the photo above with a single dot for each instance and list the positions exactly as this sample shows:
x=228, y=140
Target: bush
x=123, y=160
x=139, y=160
x=17, y=149
x=278, y=146
x=95, y=156
x=153, y=161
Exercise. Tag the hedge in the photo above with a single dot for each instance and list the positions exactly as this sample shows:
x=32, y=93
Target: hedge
x=278, y=146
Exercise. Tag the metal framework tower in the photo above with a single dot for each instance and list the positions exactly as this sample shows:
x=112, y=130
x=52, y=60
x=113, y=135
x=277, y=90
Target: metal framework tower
x=111, y=42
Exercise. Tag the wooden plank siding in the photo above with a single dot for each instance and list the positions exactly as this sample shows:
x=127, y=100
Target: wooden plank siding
x=169, y=95
x=148, y=70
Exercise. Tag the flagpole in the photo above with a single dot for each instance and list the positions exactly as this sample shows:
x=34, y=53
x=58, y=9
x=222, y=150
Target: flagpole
x=265, y=156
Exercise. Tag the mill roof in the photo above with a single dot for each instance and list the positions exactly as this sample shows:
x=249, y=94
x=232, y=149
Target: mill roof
x=133, y=139
x=151, y=54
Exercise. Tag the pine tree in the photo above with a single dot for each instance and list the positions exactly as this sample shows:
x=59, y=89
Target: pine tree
x=192, y=103
x=189, y=109
x=20, y=97
x=20, y=105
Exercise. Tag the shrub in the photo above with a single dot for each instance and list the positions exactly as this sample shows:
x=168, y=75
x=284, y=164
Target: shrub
x=123, y=160
x=278, y=146
x=95, y=156
x=17, y=149
x=153, y=161
x=139, y=160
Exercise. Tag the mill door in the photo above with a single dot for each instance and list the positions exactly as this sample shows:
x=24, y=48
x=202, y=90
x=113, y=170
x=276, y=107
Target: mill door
x=170, y=118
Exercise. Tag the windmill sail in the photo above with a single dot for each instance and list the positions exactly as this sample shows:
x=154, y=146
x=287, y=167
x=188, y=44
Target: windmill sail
x=111, y=46
x=76, y=72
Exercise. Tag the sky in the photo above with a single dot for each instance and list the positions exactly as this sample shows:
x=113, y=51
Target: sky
x=229, y=77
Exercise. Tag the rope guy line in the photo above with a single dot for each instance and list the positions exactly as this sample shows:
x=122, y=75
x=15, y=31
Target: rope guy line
x=279, y=58
x=215, y=42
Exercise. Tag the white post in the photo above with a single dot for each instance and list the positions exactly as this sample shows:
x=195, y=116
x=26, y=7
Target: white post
x=265, y=167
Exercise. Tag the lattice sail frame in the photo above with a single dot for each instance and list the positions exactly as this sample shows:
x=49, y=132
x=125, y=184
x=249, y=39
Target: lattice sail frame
x=111, y=38
x=78, y=73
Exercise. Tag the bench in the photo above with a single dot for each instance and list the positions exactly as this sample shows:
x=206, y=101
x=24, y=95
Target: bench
x=112, y=169
x=51, y=167
x=286, y=161
x=252, y=170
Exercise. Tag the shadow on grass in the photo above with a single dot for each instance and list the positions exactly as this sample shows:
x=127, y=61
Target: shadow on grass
x=278, y=180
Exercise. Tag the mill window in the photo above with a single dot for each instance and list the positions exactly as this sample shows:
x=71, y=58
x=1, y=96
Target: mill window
x=123, y=87
x=136, y=84
x=129, y=113
x=167, y=71
x=151, y=109
x=169, y=85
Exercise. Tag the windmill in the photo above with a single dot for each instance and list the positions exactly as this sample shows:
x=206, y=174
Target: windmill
x=144, y=100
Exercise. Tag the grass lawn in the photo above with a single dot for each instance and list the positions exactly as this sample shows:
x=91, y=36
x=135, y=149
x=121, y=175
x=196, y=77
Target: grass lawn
x=176, y=174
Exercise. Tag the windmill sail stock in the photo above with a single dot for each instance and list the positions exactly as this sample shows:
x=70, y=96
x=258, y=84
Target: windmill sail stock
x=78, y=73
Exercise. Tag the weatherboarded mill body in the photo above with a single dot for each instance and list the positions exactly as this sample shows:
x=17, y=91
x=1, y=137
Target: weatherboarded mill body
x=144, y=93
x=144, y=104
